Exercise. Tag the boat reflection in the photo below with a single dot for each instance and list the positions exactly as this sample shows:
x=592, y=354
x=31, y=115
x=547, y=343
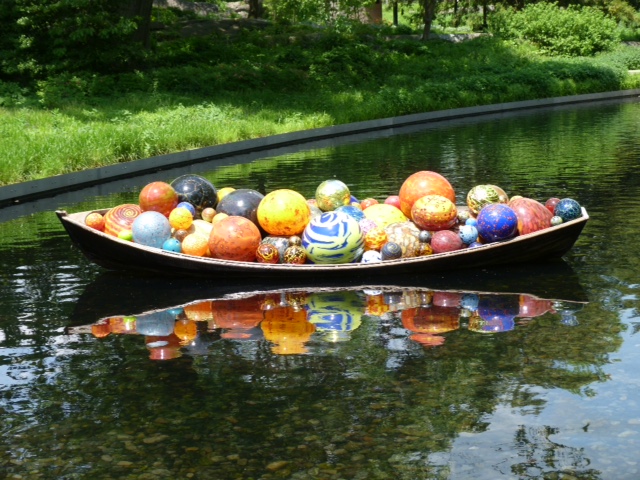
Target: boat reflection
x=292, y=319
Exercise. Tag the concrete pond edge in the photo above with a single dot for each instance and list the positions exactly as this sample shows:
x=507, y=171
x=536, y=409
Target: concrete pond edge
x=43, y=188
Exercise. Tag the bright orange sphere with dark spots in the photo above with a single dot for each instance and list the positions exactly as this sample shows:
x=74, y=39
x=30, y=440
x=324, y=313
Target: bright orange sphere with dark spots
x=434, y=212
x=424, y=183
x=283, y=213
x=234, y=238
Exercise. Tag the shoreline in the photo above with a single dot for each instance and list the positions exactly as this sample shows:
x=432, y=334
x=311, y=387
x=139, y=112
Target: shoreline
x=43, y=188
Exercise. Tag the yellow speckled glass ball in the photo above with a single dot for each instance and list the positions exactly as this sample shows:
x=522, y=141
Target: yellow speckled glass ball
x=283, y=213
x=483, y=195
x=384, y=214
x=332, y=194
x=180, y=218
x=374, y=239
x=434, y=212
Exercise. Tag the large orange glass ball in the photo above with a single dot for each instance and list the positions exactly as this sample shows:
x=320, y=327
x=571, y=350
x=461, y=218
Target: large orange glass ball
x=424, y=183
x=434, y=212
x=120, y=218
x=159, y=197
x=283, y=213
x=234, y=238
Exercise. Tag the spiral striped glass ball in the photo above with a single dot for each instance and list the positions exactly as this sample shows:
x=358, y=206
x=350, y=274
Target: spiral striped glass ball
x=333, y=238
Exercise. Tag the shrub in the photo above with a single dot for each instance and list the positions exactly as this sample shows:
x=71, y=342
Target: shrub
x=572, y=31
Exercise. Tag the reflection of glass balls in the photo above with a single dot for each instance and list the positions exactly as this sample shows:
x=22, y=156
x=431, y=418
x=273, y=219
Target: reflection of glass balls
x=332, y=194
x=196, y=190
x=151, y=228
x=157, y=324
x=333, y=238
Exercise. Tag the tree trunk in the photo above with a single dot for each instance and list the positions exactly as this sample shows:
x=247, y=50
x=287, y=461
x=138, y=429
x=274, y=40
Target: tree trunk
x=429, y=7
x=395, y=13
x=255, y=9
x=141, y=11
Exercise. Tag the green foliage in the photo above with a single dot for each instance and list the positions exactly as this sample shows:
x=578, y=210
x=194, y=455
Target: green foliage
x=624, y=58
x=71, y=35
x=315, y=11
x=572, y=31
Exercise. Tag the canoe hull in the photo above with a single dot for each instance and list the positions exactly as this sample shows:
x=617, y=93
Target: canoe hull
x=114, y=254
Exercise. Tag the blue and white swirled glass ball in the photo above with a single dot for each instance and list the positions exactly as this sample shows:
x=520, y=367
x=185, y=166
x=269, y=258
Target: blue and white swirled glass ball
x=333, y=238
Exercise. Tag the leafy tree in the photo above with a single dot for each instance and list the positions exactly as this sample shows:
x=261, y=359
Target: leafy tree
x=52, y=36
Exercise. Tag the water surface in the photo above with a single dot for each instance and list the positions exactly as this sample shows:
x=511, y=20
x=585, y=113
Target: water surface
x=340, y=381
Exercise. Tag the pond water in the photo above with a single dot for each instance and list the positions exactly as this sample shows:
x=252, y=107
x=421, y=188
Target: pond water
x=407, y=378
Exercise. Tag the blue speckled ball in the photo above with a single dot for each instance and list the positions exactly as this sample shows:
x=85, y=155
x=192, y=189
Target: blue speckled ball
x=568, y=209
x=172, y=245
x=188, y=206
x=471, y=221
x=497, y=222
x=468, y=234
x=333, y=238
x=352, y=211
x=151, y=229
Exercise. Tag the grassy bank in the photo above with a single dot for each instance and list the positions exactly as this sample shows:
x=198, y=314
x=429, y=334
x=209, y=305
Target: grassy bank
x=214, y=89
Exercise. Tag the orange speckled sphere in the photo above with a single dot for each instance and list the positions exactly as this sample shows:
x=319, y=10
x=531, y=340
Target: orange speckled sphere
x=159, y=197
x=234, y=238
x=424, y=183
x=283, y=213
x=195, y=244
x=95, y=220
x=374, y=239
x=434, y=212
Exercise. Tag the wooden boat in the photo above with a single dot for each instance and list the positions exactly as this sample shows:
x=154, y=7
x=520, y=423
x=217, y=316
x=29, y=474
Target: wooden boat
x=115, y=254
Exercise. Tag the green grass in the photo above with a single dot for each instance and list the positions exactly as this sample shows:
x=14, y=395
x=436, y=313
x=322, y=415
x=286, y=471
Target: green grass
x=202, y=92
